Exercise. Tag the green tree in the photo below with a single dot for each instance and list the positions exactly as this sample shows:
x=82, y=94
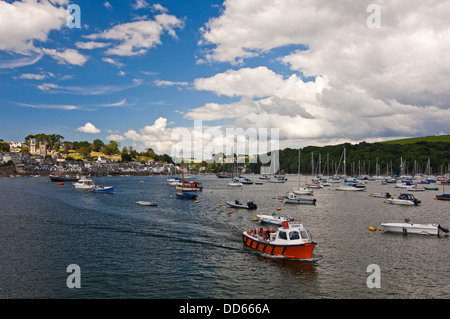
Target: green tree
x=111, y=148
x=4, y=147
x=98, y=145
x=126, y=157
x=84, y=151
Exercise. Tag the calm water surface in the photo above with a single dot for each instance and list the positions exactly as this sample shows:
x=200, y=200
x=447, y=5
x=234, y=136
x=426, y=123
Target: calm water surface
x=182, y=249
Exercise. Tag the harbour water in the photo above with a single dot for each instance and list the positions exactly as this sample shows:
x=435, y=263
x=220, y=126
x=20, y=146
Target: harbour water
x=182, y=249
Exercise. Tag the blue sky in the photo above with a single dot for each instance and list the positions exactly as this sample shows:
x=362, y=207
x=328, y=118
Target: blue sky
x=136, y=70
x=138, y=100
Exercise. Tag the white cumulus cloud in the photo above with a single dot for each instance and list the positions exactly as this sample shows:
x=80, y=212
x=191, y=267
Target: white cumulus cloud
x=136, y=38
x=89, y=128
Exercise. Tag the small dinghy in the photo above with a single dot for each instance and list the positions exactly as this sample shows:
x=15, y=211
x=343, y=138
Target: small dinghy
x=410, y=228
x=404, y=199
x=443, y=197
x=236, y=204
x=146, y=203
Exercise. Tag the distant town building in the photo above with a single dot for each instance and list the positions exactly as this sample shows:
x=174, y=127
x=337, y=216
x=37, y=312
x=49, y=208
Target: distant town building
x=40, y=150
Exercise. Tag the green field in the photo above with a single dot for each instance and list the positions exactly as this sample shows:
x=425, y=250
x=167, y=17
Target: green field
x=434, y=138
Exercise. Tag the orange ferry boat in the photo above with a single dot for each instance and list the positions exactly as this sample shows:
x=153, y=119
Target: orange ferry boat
x=290, y=241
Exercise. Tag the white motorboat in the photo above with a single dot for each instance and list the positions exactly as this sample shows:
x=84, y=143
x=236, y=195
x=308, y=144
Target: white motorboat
x=410, y=228
x=314, y=186
x=84, y=183
x=235, y=183
x=416, y=189
x=272, y=219
x=277, y=180
x=302, y=191
x=292, y=199
x=406, y=185
x=351, y=187
x=404, y=199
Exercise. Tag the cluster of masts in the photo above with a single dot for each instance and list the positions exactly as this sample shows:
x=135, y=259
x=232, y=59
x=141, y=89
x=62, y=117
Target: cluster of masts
x=359, y=169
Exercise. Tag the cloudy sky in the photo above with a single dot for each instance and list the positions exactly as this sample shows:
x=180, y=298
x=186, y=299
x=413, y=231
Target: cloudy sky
x=321, y=71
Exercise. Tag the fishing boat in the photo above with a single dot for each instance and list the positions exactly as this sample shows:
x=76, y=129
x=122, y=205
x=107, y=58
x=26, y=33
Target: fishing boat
x=265, y=177
x=103, y=189
x=223, y=175
x=186, y=195
x=380, y=195
x=410, y=228
x=237, y=204
x=292, y=199
x=146, y=203
x=431, y=188
x=189, y=186
x=272, y=219
x=291, y=240
x=84, y=183
x=404, y=199
x=66, y=178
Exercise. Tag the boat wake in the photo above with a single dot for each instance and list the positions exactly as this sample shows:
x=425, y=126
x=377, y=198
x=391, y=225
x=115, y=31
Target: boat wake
x=281, y=257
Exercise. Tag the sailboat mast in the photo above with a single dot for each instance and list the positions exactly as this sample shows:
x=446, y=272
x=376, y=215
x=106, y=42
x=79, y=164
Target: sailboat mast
x=345, y=166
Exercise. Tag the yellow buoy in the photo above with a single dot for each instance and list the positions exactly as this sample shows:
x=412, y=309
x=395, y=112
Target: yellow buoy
x=230, y=212
x=170, y=196
x=281, y=201
x=220, y=205
x=372, y=228
x=211, y=191
x=274, y=197
x=255, y=219
x=278, y=208
x=384, y=201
